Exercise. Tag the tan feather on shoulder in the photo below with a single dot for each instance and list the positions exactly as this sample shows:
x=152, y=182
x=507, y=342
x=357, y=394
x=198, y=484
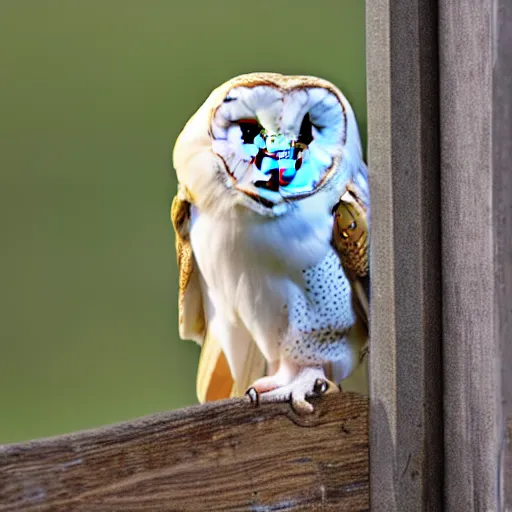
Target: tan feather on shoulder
x=350, y=233
x=351, y=240
x=180, y=217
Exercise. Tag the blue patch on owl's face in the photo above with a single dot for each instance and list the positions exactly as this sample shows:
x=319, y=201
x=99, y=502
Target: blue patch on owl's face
x=284, y=160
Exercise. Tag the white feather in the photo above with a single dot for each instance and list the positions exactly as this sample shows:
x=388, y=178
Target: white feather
x=249, y=262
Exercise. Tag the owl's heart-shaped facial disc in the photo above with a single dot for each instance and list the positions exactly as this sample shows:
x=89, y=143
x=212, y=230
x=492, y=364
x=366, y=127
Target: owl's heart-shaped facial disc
x=278, y=143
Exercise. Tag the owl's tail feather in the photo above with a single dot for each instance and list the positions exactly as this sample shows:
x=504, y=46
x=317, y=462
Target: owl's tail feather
x=214, y=380
x=214, y=377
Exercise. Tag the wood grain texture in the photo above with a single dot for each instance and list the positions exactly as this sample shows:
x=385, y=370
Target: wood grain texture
x=476, y=155
x=405, y=360
x=222, y=456
x=502, y=222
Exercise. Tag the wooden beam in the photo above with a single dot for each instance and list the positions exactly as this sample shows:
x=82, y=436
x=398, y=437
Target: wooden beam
x=476, y=149
x=502, y=222
x=406, y=454
x=221, y=456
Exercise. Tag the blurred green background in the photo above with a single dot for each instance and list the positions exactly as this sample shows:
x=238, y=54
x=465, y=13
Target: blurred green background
x=92, y=97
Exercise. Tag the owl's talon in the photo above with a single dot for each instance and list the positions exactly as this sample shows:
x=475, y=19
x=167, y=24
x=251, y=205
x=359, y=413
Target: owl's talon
x=301, y=406
x=320, y=387
x=309, y=382
x=253, y=395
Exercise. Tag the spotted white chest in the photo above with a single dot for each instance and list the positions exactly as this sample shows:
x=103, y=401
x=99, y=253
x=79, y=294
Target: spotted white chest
x=279, y=280
x=320, y=315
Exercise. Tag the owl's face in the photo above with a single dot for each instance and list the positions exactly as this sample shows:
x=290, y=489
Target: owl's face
x=268, y=139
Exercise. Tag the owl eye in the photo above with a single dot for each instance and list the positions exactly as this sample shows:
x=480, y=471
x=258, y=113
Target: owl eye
x=306, y=132
x=250, y=129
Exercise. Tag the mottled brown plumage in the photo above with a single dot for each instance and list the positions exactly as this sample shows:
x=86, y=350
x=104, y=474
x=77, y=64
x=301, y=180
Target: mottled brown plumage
x=180, y=218
x=350, y=234
x=180, y=215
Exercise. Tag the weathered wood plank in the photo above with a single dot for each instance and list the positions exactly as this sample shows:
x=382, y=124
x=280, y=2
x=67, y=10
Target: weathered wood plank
x=502, y=222
x=220, y=456
x=476, y=155
x=405, y=360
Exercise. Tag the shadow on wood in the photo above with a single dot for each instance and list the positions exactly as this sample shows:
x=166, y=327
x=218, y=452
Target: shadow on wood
x=224, y=455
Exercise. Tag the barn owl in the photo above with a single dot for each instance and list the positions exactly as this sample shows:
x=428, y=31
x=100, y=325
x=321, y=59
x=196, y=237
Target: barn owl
x=271, y=223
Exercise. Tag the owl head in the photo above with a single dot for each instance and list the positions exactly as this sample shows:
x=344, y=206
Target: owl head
x=265, y=142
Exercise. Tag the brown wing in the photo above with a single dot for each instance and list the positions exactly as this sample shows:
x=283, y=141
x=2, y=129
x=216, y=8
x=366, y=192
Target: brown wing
x=351, y=240
x=190, y=304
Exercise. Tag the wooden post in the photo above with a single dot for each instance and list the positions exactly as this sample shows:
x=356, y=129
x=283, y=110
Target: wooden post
x=476, y=150
x=220, y=456
x=406, y=468
x=502, y=232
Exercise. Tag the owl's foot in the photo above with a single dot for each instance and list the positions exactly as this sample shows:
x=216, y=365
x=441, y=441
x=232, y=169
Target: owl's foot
x=308, y=382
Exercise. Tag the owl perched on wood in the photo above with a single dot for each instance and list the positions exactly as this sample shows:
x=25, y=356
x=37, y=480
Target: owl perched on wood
x=272, y=240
